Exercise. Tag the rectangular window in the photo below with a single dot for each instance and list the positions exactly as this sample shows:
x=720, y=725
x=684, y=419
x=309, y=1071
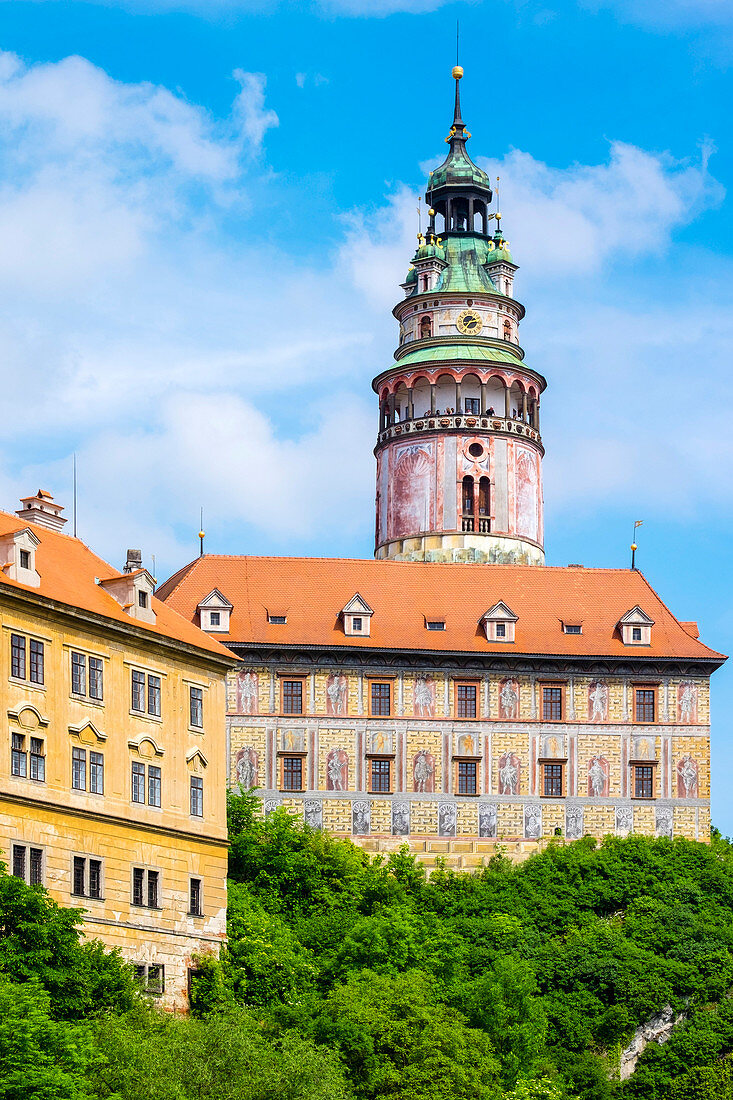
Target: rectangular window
x=153, y=877
x=643, y=781
x=435, y=624
x=19, y=857
x=292, y=696
x=381, y=699
x=138, y=782
x=194, y=898
x=78, y=674
x=17, y=656
x=466, y=697
x=552, y=704
x=467, y=770
x=142, y=598
x=154, y=786
x=154, y=695
x=79, y=769
x=636, y=633
x=38, y=760
x=645, y=699
x=138, y=690
x=292, y=773
x=381, y=776
x=18, y=758
x=214, y=618
x=552, y=787
x=28, y=864
x=36, y=661
x=277, y=620
x=25, y=559
x=572, y=628
x=35, y=866
x=197, y=796
x=501, y=630
x=196, y=707
x=138, y=885
x=154, y=982
x=356, y=623
x=473, y=405
x=96, y=681
x=96, y=773
x=80, y=866
x=95, y=878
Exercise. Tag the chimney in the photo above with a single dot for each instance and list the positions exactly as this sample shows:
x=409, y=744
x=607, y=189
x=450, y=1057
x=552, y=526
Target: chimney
x=134, y=561
x=42, y=510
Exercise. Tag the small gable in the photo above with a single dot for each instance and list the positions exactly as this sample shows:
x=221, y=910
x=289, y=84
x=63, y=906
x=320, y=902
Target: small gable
x=499, y=623
x=214, y=612
x=357, y=617
x=636, y=627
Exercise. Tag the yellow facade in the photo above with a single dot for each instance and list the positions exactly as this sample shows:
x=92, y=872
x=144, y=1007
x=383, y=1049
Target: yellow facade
x=73, y=799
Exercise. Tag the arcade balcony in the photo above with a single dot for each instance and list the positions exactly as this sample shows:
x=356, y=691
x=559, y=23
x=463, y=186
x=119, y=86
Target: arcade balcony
x=464, y=422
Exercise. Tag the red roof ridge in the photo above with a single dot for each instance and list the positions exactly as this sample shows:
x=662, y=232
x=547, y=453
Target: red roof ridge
x=390, y=562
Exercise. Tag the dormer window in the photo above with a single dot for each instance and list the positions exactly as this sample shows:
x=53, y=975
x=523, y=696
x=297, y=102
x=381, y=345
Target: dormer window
x=636, y=627
x=435, y=624
x=499, y=623
x=572, y=628
x=214, y=612
x=142, y=598
x=356, y=617
x=133, y=590
x=277, y=620
x=18, y=556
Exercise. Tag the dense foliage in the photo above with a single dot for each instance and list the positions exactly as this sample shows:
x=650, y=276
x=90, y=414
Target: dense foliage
x=356, y=978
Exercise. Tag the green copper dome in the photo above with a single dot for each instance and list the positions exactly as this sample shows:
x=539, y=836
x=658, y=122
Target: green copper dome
x=499, y=253
x=458, y=170
x=428, y=249
x=411, y=276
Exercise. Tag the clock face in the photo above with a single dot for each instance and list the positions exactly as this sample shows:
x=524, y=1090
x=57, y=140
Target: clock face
x=469, y=322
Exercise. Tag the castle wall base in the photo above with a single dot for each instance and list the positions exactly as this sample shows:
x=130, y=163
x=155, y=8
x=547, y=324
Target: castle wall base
x=463, y=548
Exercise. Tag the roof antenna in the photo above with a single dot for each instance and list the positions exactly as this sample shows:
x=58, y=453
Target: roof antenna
x=74, y=500
x=634, y=547
x=202, y=533
x=458, y=29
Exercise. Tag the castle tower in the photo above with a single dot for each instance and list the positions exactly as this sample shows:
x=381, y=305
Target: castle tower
x=459, y=453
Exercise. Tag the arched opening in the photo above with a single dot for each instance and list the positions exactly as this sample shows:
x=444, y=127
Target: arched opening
x=426, y=327
x=421, y=397
x=517, y=401
x=460, y=215
x=484, y=504
x=401, y=400
x=445, y=394
x=495, y=401
x=440, y=217
x=467, y=504
x=479, y=216
x=471, y=394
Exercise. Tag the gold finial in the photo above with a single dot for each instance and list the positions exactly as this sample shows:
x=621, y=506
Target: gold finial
x=431, y=212
x=202, y=534
x=457, y=72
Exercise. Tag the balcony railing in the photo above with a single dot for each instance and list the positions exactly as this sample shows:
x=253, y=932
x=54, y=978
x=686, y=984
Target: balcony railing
x=468, y=524
x=464, y=421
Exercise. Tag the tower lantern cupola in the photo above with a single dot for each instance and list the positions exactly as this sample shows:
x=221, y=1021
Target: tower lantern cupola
x=459, y=451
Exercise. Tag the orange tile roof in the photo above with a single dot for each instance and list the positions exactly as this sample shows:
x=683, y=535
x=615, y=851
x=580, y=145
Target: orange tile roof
x=68, y=568
x=404, y=594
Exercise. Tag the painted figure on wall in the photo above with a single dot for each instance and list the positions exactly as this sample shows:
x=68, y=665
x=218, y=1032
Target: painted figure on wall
x=361, y=818
x=687, y=702
x=532, y=822
x=400, y=818
x=509, y=773
x=663, y=821
x=447, y=819
x=247, y=766
x=624, y=820
x=381, y=741
x=487, y=819
x=573, y=822
x=552, y=747
x=687, y=777
x=336, y=694
x=424, y=697
x=411, y=510
x=509, y=700
x=527, y=496
x=293, y=740
x=643, y=749
x=423, y=772
x=337, y=770
x=598, y=777
x=466, y=745
x=313, y=812
x=598, y=701
x=247, y=693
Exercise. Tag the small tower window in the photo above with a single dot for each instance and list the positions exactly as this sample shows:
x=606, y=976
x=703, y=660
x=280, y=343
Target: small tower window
x=468, y=497
x=426, y=328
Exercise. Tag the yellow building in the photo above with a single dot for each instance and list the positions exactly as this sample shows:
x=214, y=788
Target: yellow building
x=112, y=782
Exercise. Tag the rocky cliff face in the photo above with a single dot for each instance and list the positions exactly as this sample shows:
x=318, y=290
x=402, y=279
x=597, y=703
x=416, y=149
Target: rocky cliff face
x=657, y=1029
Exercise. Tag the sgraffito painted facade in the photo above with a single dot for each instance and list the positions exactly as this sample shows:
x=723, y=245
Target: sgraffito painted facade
x=113, y=774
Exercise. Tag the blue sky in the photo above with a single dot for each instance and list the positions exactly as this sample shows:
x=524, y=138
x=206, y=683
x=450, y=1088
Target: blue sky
x=206, y=208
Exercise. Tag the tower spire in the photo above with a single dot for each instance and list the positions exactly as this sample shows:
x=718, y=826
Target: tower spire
x=458, y=129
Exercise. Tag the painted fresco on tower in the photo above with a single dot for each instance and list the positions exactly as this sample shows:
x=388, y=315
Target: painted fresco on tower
x=687, y=703
x=411, y=484
x=336, y=695
x=246, y=766
x=247, y=693
x=424, y=697
x=527, y=499
x=687, y=777
x=510, y=770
